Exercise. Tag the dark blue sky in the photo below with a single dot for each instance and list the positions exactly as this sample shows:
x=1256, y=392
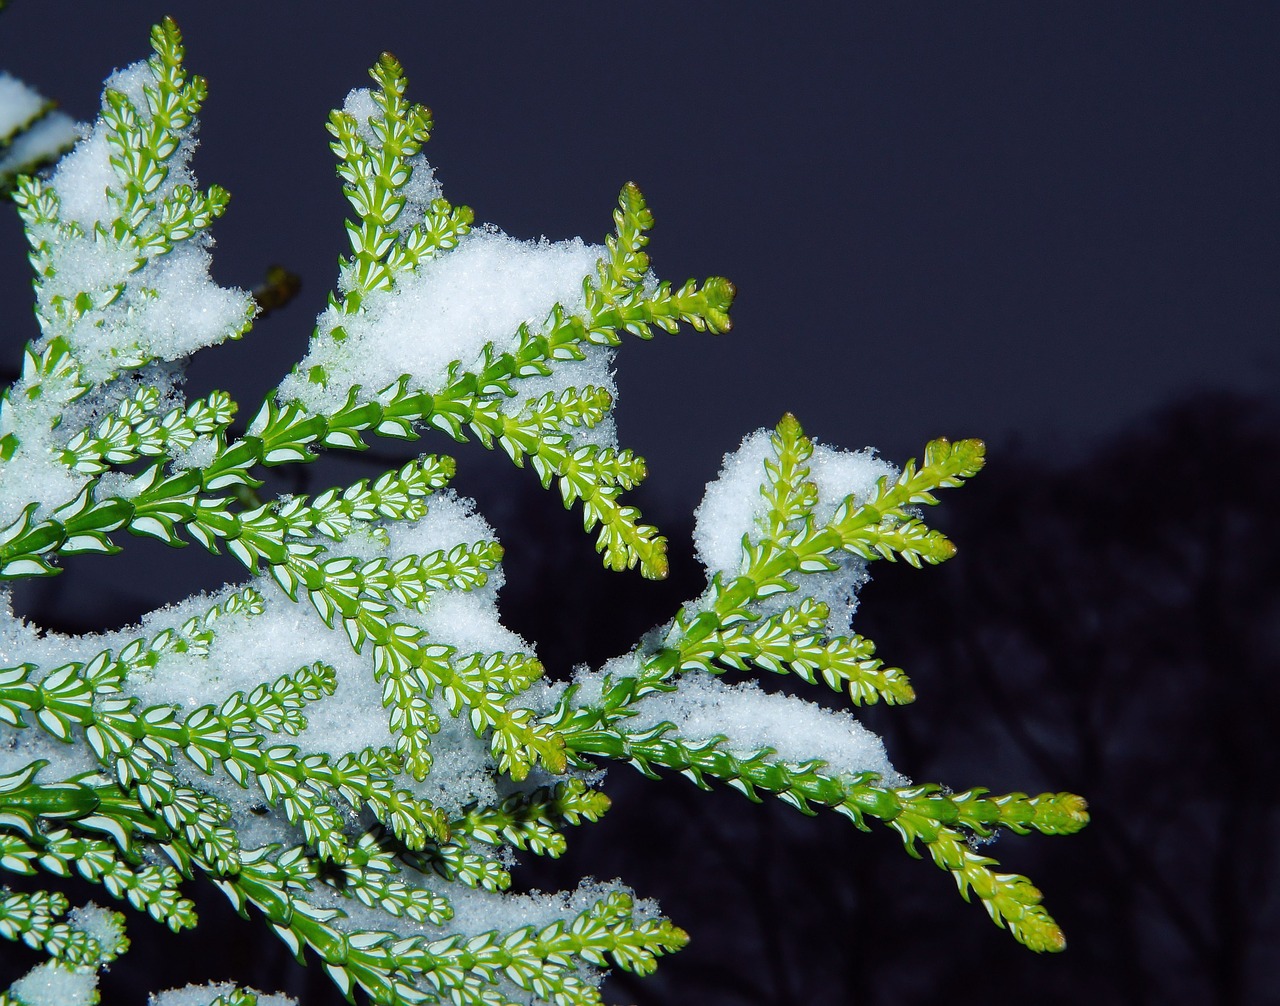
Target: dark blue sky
x=974, y=220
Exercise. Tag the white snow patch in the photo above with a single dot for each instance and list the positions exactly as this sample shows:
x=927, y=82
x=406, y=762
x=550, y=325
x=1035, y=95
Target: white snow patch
x=751, y=719
x=203, y=995
x=104, y=925
x=732, y=506
x=19, y=104
x=50, y=985
x=479, y=292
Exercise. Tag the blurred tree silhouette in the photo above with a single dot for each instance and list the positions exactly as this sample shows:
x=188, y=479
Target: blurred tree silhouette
x=1119, y=619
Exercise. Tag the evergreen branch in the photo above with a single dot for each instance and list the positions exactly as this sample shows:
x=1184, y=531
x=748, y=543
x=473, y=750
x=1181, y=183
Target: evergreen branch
x=156, y=811
x=152, y=888
x=30, y=917
x=377, y=159
x=397, y=495
x=727, y=629
x=596, y=477
x=881, y=527
x=402, y=970
x=64, y=697
x=49, y=373
x=484, y=685
x=790, y=642
x=92, y=803
x=157, y=506
x=121, y=281
x=619, y=301
x=282, y=775
x=367, y=876
x=1009, y=899
x=786, y=488
x=626, y=265
x=704, y=307
x=455, y=861
x=981, y=814
x=795, y=545
x=403, y=692
x=472, y=399
x=135, y=430
x=149, y=218
x=367, y=778
x=133, y=744
x=533, y=820
x=588, y=473
x=412, y=669
x=34, y=917
x=345, y=586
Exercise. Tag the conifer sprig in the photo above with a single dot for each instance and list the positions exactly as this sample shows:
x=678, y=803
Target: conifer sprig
x=729, y=627
x=377, y=160
x=943, y=823
x=381, y=843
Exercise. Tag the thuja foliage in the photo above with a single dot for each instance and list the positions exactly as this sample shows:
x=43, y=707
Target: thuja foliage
x=350, y=746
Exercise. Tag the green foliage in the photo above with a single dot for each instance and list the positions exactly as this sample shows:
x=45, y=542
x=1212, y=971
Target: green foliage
x=361, y=844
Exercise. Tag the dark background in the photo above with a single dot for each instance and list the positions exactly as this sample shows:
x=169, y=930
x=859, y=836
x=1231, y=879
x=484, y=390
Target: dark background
x=1052, y=226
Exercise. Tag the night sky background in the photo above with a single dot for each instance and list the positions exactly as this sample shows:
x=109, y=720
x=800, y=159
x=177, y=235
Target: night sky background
x=1050, y=226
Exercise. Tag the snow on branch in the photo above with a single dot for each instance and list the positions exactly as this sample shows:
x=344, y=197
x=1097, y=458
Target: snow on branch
x=351, y=745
